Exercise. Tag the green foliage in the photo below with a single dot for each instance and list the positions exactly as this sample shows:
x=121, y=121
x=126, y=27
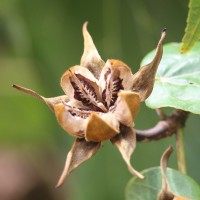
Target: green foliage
x=192, y=31
x=177, y=81
x=180, y=184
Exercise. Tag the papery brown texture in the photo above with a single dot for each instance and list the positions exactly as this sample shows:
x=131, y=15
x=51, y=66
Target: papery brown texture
x=126, y=143
x=101, y=102
x=79, y=153
x=91, y=58
x=143, y=80
x=166, y=193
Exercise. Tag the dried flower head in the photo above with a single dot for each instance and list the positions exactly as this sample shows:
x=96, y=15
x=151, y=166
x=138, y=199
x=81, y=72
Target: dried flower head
x=101, y=102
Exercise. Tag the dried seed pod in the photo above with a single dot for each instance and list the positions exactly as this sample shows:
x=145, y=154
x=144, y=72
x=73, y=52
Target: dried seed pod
x=101, y=102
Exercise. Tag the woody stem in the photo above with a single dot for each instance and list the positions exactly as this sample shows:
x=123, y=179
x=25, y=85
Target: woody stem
x=168, y=126
x=164, y=128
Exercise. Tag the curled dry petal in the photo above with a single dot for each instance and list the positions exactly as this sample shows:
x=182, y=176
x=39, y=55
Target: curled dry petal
x=126, y=143
x=101, y=127
x=72, y=120
x=127, y=106
x=165, y=193
x=125, y=72
x=79, y=153
x=114, y=69
x=115, y=76
x=51, y=102
x=143, y=80
x=91, y=58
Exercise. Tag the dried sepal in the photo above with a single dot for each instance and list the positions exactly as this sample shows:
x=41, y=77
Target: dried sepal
x=79, y=153
x=91, y=58
x=127, y=107
x=143, y=80
x=51, y=102
x=166, y=193
x=126, y=143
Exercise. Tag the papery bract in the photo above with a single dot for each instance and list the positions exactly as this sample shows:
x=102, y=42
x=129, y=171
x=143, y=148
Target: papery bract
x=166, y=193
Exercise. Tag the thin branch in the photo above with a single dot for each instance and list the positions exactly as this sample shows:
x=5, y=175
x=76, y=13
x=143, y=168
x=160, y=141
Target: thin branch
x=164, y=128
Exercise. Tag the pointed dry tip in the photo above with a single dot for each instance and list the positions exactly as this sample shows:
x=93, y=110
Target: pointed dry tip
x=85, y=26
x=135, y=173
x=58, y=185
x=15, y=86
x=61, y=180
x=163, y=33
x=165, y=157
x=62, y=177
x=169, y=150
x=28, y=91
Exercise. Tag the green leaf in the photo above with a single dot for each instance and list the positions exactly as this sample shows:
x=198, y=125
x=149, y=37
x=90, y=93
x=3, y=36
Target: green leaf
x=148, y=188
x=177, y=82
x=192, y=31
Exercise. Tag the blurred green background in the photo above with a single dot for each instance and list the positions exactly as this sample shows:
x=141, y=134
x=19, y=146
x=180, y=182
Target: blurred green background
x=39, y=40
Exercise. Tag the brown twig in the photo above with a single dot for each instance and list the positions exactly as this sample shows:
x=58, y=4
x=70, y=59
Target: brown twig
x=163, y=128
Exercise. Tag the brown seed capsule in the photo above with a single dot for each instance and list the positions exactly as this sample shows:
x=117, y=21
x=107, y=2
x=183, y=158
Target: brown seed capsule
x=101, y=102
